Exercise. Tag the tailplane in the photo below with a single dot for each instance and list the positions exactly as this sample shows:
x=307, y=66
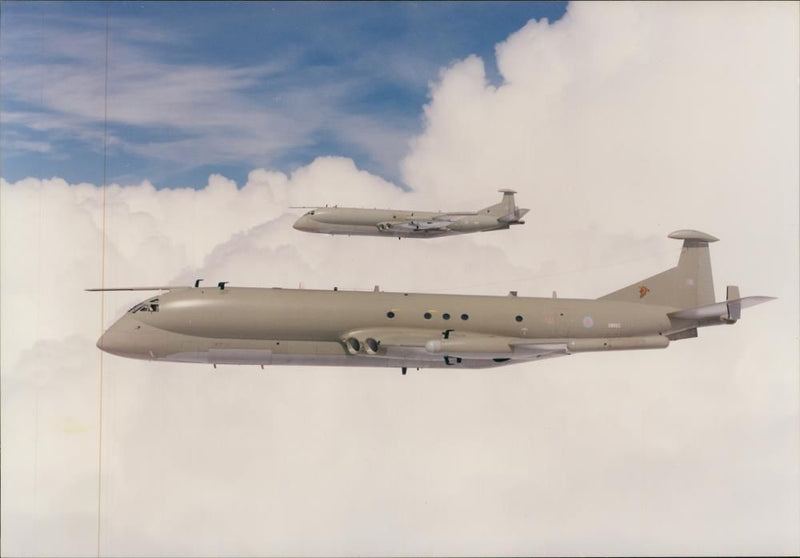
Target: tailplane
x=688, y=285
x=727, y=312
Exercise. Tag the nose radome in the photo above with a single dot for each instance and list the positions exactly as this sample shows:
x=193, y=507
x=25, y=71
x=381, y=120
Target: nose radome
x=112, y=342
x=305, y=223
x=125, y=338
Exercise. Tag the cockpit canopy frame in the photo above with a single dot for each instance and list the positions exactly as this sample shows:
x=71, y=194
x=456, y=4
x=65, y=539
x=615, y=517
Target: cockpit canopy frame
x=148, y=306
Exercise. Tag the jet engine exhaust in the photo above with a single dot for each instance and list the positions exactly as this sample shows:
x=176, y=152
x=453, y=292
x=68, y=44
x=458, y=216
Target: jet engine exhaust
x=371, y=345
x=353, y=345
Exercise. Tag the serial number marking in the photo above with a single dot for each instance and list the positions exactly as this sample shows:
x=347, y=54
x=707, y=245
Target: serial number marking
x=614, y=325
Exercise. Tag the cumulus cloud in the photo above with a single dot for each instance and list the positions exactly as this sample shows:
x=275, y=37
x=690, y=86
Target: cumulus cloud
x=617, y=124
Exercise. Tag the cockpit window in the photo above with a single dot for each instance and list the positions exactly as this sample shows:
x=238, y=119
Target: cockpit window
x=310, y=212
x=149, y=306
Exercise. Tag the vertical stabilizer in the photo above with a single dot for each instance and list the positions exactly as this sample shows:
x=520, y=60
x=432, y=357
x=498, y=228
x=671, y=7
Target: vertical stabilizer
x=506, y=211
x=688, y=285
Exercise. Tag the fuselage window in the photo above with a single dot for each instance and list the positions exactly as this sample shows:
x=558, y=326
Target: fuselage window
x=446, y=316
x=465, y=317
x=518, y=318
x=390, y=314
x=427, y=315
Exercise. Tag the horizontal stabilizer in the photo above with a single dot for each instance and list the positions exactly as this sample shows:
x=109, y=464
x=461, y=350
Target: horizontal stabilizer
x=718, y=310
x=514, y=216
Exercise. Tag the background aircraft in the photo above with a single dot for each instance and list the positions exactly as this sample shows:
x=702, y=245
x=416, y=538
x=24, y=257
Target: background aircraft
x=347, y=328
x=411, y=224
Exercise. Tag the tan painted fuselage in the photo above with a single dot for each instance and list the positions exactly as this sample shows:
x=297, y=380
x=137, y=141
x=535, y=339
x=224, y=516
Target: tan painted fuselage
x=351, y=328
x=287, y=326
x=387, y=222
x=411, y=224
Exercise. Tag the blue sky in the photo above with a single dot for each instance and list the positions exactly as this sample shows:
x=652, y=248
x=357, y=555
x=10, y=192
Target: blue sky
x=201, y=88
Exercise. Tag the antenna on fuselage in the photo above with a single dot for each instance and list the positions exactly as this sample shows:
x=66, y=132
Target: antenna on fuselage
x=222, y=284
x=197, y=283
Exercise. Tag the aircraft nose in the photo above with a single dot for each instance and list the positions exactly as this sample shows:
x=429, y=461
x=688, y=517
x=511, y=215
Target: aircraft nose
x=305, y=223
x=112, y=342
x=121, y=339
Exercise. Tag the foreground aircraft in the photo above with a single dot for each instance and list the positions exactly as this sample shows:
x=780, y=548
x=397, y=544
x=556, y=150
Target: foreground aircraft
x=411, y=224
x=220, y=325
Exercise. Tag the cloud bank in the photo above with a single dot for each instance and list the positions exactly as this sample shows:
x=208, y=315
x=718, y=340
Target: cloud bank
x=617, y=124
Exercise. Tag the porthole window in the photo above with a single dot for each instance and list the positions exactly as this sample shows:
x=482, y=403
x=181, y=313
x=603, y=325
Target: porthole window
x=518, y=318
x=427, y=315
x=465, y=317
x=390, y=314
x=445, y=316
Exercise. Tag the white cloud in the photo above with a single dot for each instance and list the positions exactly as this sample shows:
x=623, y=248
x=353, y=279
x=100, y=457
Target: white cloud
x=617, y=124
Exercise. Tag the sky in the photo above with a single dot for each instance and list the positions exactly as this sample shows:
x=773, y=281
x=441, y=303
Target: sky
x=617, y=123
x=228, y=86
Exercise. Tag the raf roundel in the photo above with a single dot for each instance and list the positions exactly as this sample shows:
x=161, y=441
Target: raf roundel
x=588, y=322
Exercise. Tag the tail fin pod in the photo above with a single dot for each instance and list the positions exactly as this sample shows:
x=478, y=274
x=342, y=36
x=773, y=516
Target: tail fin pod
x=506, y=211
x=688, y=285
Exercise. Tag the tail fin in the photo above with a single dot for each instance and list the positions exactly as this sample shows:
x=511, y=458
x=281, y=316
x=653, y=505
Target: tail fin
x=688, y=285
x=506, y=211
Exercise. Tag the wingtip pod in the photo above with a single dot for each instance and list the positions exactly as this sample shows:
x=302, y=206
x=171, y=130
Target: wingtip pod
x=690, y=234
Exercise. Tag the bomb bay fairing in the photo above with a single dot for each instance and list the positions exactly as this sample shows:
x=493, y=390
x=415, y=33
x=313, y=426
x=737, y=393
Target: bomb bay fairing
x=262, y=326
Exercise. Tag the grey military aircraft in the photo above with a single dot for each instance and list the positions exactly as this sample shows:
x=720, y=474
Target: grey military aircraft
x=261, y=326
x=411, y=224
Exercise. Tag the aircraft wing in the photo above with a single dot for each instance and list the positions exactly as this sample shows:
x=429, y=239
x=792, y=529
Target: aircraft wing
x=435, y=345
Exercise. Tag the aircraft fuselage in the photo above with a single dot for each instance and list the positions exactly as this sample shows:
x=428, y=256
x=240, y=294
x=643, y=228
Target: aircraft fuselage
x=387, y=222
x=351, y=328
x=411, y=224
